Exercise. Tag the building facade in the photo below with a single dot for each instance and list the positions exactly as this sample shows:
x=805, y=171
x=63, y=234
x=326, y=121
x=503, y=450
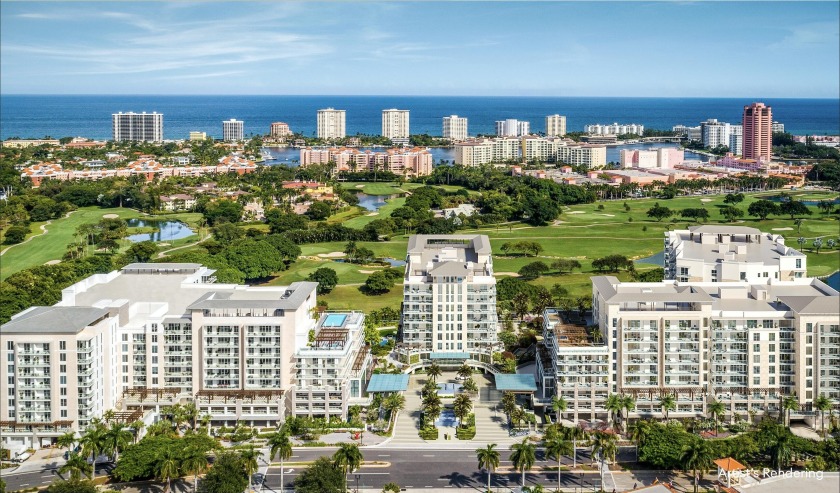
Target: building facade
x=714, y=133
x=664, y=157
x=454, y=128
x=233, y=130
x=615, y=129
x=331, y=124
x=138, y=127
x=195, y=135
x=743, y=344
x=758, y=132
x=449, y=298
x=555, y=126
x=736, y=140
x=512, y=128
x=417, y=161
x=151, y=335
x=279, y=129
x=395, y=124
x=715, y=253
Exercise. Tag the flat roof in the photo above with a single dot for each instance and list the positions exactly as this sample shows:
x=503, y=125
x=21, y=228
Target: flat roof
x=506, y=382
x=388, y=382
x=54, y=320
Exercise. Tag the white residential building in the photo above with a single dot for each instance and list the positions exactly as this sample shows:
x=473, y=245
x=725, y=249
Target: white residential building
x=555, y=125
x=454, y=128
x=233, y=130
x=714, y=253
x=714, y=133
x=778, y=127
x=138, y=127
x=147, y=336
x=615, y=129
x=736, y=140
x=512, y=128
x=334, y=368
x=331, y=124
x=395, y=124
x=690, y=133
x=474, y=152
x=588, y=155
x=449, y=298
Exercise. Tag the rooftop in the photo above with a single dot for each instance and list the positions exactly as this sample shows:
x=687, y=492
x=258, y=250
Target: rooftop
x=54, y=320
x=388, y=382
x=712, y=243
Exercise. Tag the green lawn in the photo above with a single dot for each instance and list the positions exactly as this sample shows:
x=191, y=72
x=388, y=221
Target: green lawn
x=360, y=222
x=347, y=273
x=350, y=298
x=378, y=188
x=52, y=245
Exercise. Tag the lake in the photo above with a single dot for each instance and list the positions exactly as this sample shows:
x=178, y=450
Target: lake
x=372, y=202
x=166, y=230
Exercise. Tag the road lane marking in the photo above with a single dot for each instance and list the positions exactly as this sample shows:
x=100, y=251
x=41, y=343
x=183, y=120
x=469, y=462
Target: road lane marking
x=384, y=455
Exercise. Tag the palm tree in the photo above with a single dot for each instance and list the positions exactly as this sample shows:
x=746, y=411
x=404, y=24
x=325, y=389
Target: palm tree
x=434, y=371
x=464, y=371
x=613, y=407
x=667, y=403
x=639, y=432
x=66, y=440
x=574, y=434
x=789, y=403
x=780, y=444
x=117, y=438
x=94, y=443
x=627, y=404
x=716, y=410
x=249, y=460
x=136, y=426
x=280, y=446
x=822, y=404
x=488, y=458
x=195, y=463
x=348, y=458
x=604, y=445
x=517, y=416
x=109, y=415
x=470, y=385
x=76, y=465
x=559, y=406
x=394, y=403
x=523, y=456
x=462, y=407
x=697, y=455
x=190, y=413
x=167, y=466
x=508, y=402
x=556, y=447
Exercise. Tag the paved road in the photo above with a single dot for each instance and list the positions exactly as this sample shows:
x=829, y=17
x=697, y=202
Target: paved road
x=41, y=477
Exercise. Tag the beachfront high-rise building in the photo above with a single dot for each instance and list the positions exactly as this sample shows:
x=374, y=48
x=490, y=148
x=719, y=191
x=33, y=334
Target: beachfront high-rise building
x=233, y=130
x=395, y=124
x=331, y=124
x=512, y=128
x=449, y=299
x=138, y=127
x=555, y=125
x=280, y=129
x=758, y=132
x=454, y=128
x=736, y=139
x=615, y=129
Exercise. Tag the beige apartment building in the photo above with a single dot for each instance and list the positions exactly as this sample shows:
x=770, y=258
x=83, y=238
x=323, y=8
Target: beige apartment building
x=746, y=344
x=152, y=335
x=555, y=125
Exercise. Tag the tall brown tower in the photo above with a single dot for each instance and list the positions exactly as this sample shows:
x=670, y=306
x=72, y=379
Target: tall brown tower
x=758, y=131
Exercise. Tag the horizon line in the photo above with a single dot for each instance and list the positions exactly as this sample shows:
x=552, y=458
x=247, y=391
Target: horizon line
x=416, y=96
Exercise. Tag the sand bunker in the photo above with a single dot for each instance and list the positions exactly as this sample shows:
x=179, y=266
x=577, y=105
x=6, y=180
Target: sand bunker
x=608, y=215
x=782, y=229
x=331, y=254
x=372, y=214
x=111, y=216
x=576, y=212
x=706, y=200
x=53, y=262
x=511, y=274
x=361, y=271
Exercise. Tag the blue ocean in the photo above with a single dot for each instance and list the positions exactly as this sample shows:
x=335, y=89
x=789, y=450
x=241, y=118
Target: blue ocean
x=90, y=116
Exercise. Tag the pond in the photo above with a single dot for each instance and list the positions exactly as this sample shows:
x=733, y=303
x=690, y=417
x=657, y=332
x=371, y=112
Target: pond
x=372, y=202
x=805, y=202
x=655, y=259
x=166, y=230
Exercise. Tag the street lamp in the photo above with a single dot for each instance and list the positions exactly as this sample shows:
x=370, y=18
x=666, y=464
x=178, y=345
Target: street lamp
x=357, y=483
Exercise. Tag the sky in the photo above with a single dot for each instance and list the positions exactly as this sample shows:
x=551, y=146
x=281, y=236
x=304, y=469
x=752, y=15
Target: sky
x=642, y=49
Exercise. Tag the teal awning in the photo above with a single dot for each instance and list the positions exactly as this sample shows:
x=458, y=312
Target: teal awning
x=449, y=356
x=515, y=382
x=387, y=382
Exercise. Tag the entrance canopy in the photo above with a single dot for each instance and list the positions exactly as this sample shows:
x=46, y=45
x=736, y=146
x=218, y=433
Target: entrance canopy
x=387, y=382
x=506, y=382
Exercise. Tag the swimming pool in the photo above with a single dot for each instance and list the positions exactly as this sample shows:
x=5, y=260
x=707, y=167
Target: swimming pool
x=334, y=320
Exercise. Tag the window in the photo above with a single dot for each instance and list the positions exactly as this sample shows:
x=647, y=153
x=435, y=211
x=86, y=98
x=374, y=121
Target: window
x=62, y=357
x=772, y=336
x=756, y=358
x=62, y=345
x=772, y=381
x=799, y=263
x=10, y=346
x=756, y=337
x=772, y=370
x=772, y=348
x=62, y=368
x=756, y=380
x=756, y=348
x=756, y=369
x=62, y=380
x=772, y=358
x=809, y=327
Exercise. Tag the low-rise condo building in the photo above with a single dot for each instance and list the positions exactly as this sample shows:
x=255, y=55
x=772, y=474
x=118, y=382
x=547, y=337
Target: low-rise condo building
x=454, y=128
x=714, y=253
